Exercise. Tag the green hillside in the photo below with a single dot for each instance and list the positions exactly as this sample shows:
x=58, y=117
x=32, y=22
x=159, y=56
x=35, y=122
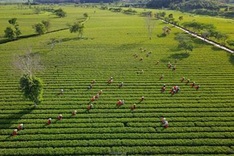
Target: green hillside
x=200, y=121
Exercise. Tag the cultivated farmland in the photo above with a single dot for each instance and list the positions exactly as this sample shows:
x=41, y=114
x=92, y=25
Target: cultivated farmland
x=200, y=121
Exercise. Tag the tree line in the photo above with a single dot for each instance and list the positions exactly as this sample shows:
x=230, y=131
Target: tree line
x=205, y=7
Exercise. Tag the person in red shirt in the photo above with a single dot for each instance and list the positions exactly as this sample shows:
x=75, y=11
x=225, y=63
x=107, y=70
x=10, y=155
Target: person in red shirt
x=96, y=96
x=192, y=84
x=49, y=121
x=120, y=103
x=14, y=133
x=90, y=106
x=174, y=89
x=164, y=122
x=20, y=127
x=92, y=99
x=197, y=87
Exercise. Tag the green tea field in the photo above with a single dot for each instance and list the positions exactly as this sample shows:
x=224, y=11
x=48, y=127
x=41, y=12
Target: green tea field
x=201, y=121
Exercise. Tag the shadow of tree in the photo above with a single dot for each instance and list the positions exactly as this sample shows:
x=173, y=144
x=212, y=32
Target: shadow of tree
x=199, y=41
x=21, y=37
x=12, y=119
x=231, y=58
x=164, y=60
x=179, y=56
x=2, y=41
x=175, y=49
x=214, y=48
x=130, y=45
x=75, y=39
x=162, y=35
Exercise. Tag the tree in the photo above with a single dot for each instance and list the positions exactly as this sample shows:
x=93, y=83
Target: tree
x=181, y=18
x=32, y=88
x=158, y=3
x=199, y=4
x=86, y=15
x=39, y=28
x=9, y=33
x=12, y=33
x=30, y=85
x=77, y=27
x=221, y=36
x=17, y=31
x=29, y=4
x=186, y=46
x=46, y=23
x=205, y=34
x=53, y=42
x=149, y=25
x=166, y=30
x=170, y=16
x=196, y=26
x=29, y=63
x=60, y=13
x=12, y=21
x=37, y=10
x=185, y=42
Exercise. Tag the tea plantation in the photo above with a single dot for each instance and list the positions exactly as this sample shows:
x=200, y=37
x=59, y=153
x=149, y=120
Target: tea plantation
x=115, y=45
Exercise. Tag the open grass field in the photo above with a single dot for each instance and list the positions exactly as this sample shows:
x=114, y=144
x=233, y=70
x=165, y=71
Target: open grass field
x=200, y=121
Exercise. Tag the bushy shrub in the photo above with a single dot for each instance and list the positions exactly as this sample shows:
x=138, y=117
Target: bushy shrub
x=230, y=42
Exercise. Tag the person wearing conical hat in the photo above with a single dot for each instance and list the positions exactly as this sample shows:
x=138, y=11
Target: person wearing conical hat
x=90, y=106
x=74, y=112
x=142, y=98
x=92, y=99
x=100, y=92
x=110, y=80
x=14, y=133
x=192, y=84
x=60, y=116
x=49, y=121
x=133, y=107
x=20, y=127
x=197, y=87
